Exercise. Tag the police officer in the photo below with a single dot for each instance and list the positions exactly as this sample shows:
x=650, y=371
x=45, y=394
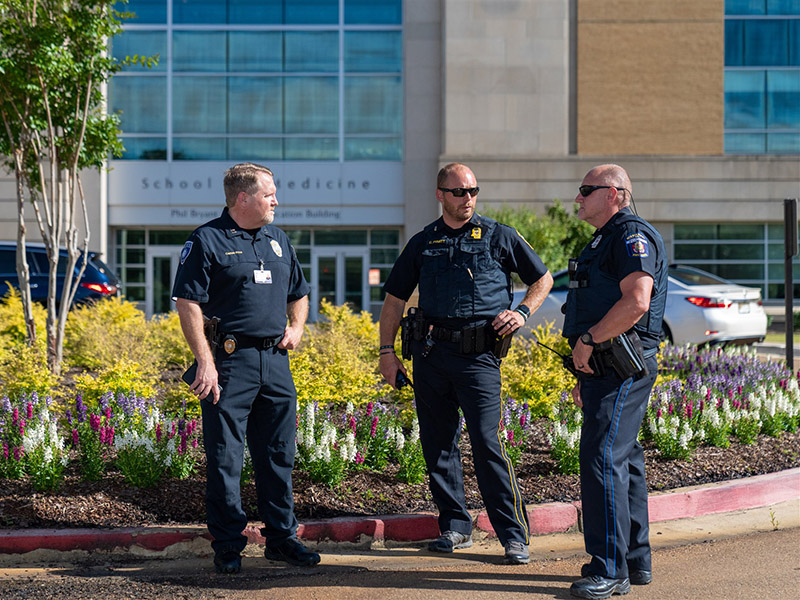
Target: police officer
x=463, y=264
x=618, y=286
x=243, y=271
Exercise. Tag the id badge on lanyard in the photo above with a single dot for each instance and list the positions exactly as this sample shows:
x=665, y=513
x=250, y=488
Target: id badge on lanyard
x=261, y=275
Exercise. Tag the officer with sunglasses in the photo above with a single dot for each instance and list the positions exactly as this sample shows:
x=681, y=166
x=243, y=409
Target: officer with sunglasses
x=618, y=285
x=462, y=263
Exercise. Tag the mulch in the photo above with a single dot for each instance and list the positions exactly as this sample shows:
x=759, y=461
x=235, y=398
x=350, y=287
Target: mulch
x=111, y=502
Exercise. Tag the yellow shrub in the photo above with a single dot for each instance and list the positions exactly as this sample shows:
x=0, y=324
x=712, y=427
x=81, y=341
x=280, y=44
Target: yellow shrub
x=337, y=361
x=175, y=396
x=167, y=342
x=102, y=332
x=121, y=376
x=534, y=374
x=23, y=369
x=12, y=320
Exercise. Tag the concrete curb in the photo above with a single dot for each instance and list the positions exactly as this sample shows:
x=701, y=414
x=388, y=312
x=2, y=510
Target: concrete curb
x=729, y=496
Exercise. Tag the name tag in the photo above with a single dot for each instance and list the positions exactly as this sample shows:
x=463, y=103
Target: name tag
x=262, y=276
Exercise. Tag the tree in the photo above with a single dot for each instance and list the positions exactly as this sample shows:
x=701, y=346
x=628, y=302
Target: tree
x=53, y=66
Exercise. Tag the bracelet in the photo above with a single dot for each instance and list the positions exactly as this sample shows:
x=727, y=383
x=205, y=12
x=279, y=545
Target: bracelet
x=386, y=352
x=386, y=347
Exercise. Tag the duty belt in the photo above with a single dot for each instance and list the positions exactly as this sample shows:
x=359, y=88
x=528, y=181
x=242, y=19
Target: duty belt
x=471, y=339
x=230, y=342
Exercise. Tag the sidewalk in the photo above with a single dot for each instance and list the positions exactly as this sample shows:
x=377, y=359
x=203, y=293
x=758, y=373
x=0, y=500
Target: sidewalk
x=397, y=530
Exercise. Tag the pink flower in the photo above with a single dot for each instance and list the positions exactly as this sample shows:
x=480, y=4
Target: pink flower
x=75, y=437
x=29, y=411
x=369, y=409
x=17, y=453
x=158, y=432
x=374, y=426
x=15, y=416
x=94, y=422
x=352, y=423
x=522, y=421
x=510, y=436
x=5, y=451
x=359, y=458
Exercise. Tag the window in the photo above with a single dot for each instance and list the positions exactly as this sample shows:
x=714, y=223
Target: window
x=762, y=76
x=750, y=254
x=305, y=80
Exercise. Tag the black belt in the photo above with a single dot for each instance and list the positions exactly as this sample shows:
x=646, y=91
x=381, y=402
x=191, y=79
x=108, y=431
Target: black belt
x=241, y=340
x=471, y=338
x=446, y=335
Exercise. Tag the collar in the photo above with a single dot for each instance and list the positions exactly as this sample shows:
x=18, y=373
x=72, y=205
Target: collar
x=610, y=224
x=233, y=230
x=441, y=226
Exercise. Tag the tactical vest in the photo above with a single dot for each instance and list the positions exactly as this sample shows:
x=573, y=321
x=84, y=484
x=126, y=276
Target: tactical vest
x=459, y=278
x=593, y=292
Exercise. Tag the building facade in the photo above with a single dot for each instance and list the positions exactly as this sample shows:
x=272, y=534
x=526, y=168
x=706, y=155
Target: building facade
x=355, y=104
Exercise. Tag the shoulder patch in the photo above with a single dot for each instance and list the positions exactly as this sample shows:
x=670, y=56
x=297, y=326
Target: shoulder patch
x=637, y=245
x=187, y=248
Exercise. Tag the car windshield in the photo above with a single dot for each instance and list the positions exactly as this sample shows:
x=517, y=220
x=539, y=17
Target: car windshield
x=692, y=276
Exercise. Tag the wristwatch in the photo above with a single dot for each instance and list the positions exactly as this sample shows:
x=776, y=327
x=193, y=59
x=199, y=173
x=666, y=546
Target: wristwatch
x=587, y=339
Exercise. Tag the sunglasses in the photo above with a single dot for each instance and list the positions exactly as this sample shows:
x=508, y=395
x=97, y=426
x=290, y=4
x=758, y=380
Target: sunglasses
x=585, y=190
x=461, y=192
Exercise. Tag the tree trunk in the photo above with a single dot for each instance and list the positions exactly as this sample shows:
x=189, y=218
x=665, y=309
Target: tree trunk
x=23, y=270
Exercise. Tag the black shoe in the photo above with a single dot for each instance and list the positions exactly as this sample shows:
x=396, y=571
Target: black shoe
x=516, y=554
x=293, y=552
x=636, y=576
x=449, y=541
x=228, y=562
x=596, y=587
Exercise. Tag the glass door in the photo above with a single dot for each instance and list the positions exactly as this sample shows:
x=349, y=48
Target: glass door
x=162, y=263
x=339, y=275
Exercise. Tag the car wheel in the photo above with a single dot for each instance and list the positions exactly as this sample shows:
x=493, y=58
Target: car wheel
x=666, y=333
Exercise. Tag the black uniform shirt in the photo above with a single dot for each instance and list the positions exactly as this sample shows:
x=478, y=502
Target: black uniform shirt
x=633, y=249
x=508, y=248
x=218, y=270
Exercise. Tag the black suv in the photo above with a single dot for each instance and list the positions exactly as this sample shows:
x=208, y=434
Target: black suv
x=98, y=279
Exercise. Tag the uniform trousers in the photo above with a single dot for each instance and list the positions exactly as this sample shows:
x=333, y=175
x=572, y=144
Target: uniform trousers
x=613, y=486
x=258, y=401
x=444, y=381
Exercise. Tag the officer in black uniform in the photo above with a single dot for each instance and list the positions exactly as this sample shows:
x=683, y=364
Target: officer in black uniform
x=243, y=271
x=463, y=264
x=618, y=286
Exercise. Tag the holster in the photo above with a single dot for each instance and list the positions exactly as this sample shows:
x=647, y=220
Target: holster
x=412, y=327
x=627, y=356
x=502, y=344
x=211, y=331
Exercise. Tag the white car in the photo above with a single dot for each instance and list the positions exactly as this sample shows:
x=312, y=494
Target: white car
x=701, y=308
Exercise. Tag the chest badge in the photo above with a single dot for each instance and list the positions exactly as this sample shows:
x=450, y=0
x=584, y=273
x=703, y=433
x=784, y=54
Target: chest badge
x=229, y=344
x=476, y=233
x=276, y=248
x=596, y=241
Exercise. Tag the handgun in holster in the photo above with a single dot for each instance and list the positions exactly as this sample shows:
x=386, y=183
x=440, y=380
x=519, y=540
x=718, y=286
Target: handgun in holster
x=211, y=331
x=412, y=327
x=627, y=356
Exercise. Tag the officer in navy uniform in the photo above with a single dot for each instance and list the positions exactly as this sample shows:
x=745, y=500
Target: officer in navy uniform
x=619, y=284
x=244, y=271
x=463, y=264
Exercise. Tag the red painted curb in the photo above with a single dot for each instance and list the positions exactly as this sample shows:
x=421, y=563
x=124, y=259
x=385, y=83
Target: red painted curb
x=752, y=492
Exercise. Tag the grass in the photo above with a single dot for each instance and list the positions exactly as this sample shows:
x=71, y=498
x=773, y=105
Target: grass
x=779, y=337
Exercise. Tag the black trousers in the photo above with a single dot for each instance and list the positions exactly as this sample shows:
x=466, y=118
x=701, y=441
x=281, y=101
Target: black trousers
x=445, y=381
x=613, y=486
x=258, y=401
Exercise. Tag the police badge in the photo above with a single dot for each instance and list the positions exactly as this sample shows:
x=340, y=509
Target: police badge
x=229, y=344
x=276, y=248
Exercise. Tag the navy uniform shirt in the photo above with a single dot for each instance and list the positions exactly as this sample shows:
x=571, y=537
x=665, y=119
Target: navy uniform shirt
x=217, y=270
x=511, y=251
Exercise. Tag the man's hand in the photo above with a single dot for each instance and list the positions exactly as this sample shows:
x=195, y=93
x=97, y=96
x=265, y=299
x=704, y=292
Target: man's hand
x=291, y=337
x=390, y=365
x=581, y=354
x=576, y=395
x=206, y=382
x=508, y=321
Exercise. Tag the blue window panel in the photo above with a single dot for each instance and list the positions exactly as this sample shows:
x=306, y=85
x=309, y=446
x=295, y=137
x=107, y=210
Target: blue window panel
x=256, y=12
x=199, y=149
x=311, y=105
x=142, y=101
x=373, y=105
x=373, y=51
x=250, y=51
x=373, y=148
x=311, y=12
x=311, y=149
x=745, y=7
x=766, y=42
x=142, y=43
x=373, y=12
x=794, y=42
x=255, y=105
x=745, y=143
x=199, y=11
x=311, y=51
x=783, y=7
x=145, y=148
x=199, y=104
x=199, y=51
x=145, y=11
x=783, y=99
x=783, y=143
x=255, y=149
x=734, y=43
x=745, y=101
